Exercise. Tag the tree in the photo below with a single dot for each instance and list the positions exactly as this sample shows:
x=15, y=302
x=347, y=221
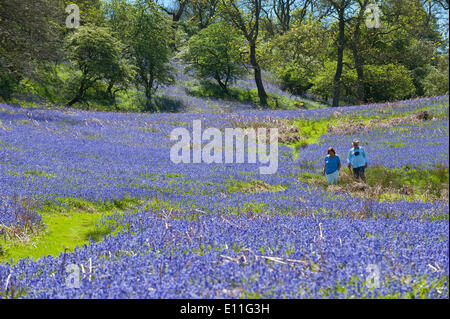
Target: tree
x=406, y=37
x=389, y=82
x=204, y=11
x=214, y=52
x=29, y=33
x=150, y=35
x=283, y=10
x=436, y=82
x=341, y=9
x=246, y=19
x=296, y=55
x=176, y=10
x=146, y=34
x=97, y=55
x=356, y=50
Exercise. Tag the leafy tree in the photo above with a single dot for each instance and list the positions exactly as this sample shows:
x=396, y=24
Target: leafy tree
x=90, y=11
x=355, y=41
x=29, y=33
x=175, y=9
x=388, y=82
x=284, y=9
x=323, y=83
x=436, y=82
x=245, y=15
x=406, y=37
x=97, y=55
x=296, y=55
x=342, y=9
x=150, y=36
x=214, y=52
x=204, y=11
x=146, y=34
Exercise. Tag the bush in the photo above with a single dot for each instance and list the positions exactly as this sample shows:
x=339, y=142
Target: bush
x=8, y=85
x=215, y=52
x=96, y=53
x=295, y=56
x=436, y=82
x=388, y=82
x=323, y=82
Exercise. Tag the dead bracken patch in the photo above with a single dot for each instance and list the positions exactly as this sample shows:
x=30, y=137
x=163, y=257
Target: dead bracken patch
x=406, y=190
x=351, y=126
x=358, y=187
x=288, y=132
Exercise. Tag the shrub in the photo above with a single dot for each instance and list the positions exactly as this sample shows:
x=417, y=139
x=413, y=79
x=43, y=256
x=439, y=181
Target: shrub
x=215, y=52
x=436, y=82
x=388, y=82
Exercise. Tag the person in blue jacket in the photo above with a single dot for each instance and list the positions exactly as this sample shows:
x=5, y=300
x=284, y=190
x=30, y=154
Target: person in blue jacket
x=357, y=160
x=332, y=166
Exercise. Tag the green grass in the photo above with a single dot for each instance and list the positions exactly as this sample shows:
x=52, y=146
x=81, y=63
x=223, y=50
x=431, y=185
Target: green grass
x=309, y=133
x=68, y=224
x=72, y=222
x=410, y=184
x=251, y=186
x=430, y=181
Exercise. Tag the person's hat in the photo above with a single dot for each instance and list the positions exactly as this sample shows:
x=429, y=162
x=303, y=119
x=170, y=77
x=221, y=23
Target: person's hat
x=355, y=141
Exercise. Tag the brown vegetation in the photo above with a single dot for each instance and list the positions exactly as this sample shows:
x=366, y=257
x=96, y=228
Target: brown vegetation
x=352, y=126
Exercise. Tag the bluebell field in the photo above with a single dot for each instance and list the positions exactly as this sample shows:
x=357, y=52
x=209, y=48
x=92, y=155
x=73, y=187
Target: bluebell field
x=304, y=243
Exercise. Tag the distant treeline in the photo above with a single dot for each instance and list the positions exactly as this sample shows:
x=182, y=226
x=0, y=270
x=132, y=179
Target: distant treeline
x=354, y=50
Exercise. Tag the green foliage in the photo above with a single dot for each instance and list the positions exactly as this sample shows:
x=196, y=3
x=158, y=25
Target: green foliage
x=149, y=38
x=215, y=52
x=210, y=89
x=29, y=34
x=96, y=54
x=388, y=82
x=295, y=56
x=8, y=85
x=436, y=82
x=323, y=81
x=403, y=58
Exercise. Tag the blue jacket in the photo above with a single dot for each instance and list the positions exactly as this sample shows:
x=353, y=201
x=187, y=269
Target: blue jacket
x=357, y=157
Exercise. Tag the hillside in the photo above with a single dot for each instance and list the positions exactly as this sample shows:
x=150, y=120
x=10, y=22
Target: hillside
x=99, y=190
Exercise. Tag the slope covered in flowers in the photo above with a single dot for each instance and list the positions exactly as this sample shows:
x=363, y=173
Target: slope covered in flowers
x=298, y=241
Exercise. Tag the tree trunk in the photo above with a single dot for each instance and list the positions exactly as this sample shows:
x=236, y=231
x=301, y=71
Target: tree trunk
x=178, y=13
x=148, y=102
x=73, y=101
x=360, y=95
x=78, y=96
x=222, y=85
x=340, y=57
x=357, y=57
x=258, y=79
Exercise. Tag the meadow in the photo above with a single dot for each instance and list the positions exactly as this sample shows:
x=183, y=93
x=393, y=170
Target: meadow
x=98, y=190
